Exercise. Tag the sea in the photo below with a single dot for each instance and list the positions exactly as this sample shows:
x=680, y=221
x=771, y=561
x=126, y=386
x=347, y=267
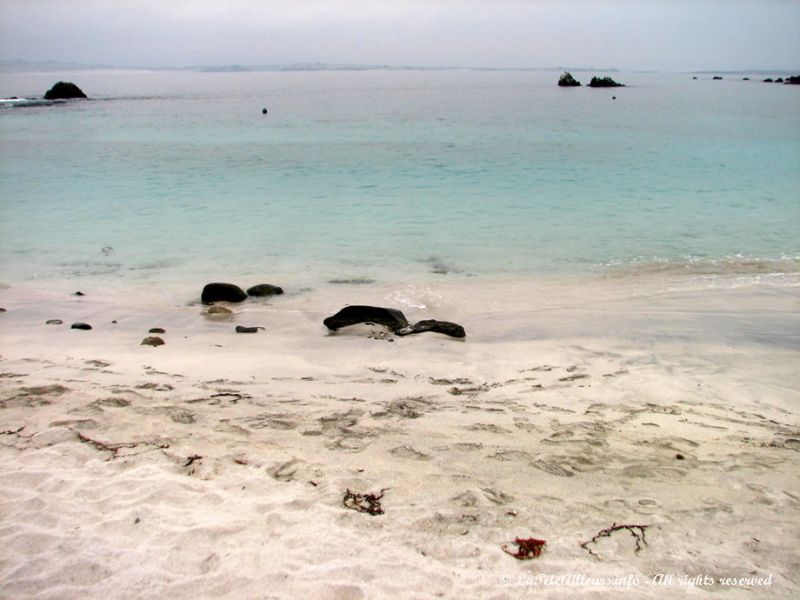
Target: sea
x=314, y=178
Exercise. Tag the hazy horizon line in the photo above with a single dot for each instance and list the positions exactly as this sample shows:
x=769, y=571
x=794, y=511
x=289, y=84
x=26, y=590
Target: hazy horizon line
x=22, y=65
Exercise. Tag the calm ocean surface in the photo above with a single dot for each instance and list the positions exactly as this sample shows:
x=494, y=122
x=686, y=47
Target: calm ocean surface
x=393, y=175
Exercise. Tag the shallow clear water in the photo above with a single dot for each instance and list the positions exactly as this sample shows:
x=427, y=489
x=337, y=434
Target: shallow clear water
x=391, y=175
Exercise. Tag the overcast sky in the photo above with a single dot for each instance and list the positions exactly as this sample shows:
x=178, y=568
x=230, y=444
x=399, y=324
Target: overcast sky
x=671, y=35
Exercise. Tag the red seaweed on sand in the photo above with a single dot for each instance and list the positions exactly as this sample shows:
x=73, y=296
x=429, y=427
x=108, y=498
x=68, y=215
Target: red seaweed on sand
x=527, y=548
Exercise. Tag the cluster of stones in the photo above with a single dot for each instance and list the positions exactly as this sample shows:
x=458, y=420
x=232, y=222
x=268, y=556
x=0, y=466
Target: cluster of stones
x=228, y=292
x=793, y=80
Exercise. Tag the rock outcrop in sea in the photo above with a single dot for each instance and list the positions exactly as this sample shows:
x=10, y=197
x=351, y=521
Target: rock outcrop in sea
x=604, y=82
x=567, y=80
x=64, y=90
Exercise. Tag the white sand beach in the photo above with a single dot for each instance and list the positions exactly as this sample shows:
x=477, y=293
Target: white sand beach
x=215, y=466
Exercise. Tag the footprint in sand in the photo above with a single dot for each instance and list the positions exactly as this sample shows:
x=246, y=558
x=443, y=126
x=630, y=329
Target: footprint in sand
x=409, y=452
x=112, y=402
x=285, y=471
x=182, y=416
x=488, y=427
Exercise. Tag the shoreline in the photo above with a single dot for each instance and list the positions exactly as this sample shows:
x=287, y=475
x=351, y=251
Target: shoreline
x=217, y=463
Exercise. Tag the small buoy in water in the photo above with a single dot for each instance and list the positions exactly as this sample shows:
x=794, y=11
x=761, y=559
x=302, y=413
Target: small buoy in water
x=263, y=111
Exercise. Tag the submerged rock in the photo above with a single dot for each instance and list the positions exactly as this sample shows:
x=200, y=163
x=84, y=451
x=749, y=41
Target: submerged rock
x=54, y=322
x=219, y=311
x=222, y=292
x=84, y=326
x=264, y=289
x=768, y=80
x=567, y=80
x=243, y=329
x=64, y=90
x=353, y=281
x=604, y=82
x=350, y=315
x=152, y=341
x=446, y=327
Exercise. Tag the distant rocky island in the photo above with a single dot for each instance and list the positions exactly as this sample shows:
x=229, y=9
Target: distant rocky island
x=792, y=80
x=567, y=80
x=64, y=90
x=604, y=82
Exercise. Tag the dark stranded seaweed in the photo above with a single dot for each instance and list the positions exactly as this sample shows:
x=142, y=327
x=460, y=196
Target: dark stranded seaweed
x=64, y=90
x=567, y=80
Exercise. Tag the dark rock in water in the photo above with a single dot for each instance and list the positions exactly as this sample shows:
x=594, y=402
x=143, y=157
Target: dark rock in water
x=604, y=82
x=793, y=80
x=152, y=341
x=445, y=327
x=64, y=90
x=716, y=78
x=157, y=330
x=79, y=294
x=350, y=315
x=243, y=329
x=54, y=322
x=222, y=292
x=264, y=111
x=694, y=77
x=220, y=311
x=768, y=80
x=567, y=80
x=2, y=310
x=745, y=79
x=264, y=289
x=779, y=80
x=84, y=326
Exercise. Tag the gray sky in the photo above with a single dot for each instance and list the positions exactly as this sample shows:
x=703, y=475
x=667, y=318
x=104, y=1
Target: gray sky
x=628, y=34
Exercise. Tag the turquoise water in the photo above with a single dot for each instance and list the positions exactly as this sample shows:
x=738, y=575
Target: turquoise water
x=395, y=174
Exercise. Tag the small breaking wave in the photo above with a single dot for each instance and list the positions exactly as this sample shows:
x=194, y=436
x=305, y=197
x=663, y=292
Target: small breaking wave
x=26, y=102
x=704, y=267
